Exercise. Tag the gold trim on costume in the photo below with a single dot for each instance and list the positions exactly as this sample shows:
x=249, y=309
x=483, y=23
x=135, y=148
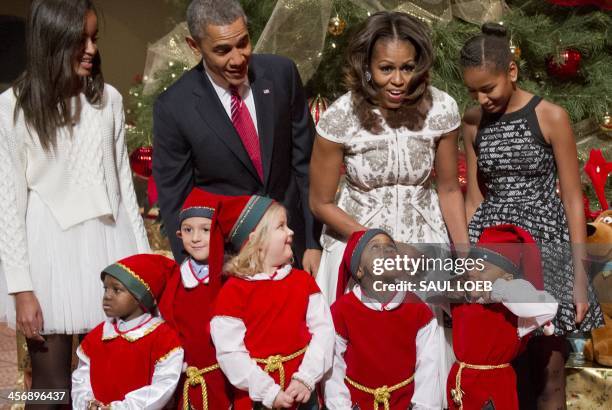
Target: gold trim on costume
x=275, y=363
x=133, y=339
x=135, y=275
x=241, y=218
x=164, y=357
x=456, y=393
x=381, y=394
x=195, y=377
x=198, y=207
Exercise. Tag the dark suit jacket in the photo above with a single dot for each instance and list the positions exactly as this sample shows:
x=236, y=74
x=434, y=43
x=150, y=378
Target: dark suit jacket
x=195, y=144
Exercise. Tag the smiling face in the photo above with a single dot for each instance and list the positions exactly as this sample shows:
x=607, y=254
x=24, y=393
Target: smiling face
x=118, y=301
x=195, y=234
x=392, y=67
x=279, y=237
x=226, y=51
x=84, y=55
x=490, y=87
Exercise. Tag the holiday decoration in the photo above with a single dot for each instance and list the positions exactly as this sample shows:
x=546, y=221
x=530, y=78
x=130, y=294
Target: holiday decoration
x=462, y=171
x=336, y=26
x=167, y=53
x=604, y=4
x=599, y=249
x=515, y=50
x=565, y=65
x=141, y=161
x=152, y=192
x=298, y=29
x=606, y=123
x=317, y=107
x=589, y=214
x=598, y=169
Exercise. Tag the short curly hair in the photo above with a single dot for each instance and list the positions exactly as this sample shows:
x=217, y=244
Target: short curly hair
x=202, y=13
x=386, y=25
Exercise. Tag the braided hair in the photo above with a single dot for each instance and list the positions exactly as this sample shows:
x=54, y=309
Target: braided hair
x=490, y=48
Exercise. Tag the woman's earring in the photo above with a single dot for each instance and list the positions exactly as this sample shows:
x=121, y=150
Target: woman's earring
x=368, y=76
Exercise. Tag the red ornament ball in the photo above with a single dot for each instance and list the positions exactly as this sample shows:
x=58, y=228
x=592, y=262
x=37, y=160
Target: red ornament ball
x=603, y=4
x=565, y=65
x=141, y=161
x=462, y=171
x=317, y=106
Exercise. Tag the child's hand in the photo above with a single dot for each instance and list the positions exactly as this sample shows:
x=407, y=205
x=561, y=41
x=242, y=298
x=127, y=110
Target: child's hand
x=282, y=400
x=581, y=301
x=298, y=391
x=97, y=405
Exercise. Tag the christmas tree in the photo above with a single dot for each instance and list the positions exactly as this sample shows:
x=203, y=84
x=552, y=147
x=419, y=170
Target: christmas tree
x=564, y=55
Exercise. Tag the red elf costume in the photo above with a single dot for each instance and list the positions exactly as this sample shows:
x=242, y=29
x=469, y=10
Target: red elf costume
x=268, y=329
x=386, y=354
x=187, y=305
x=487, y=337
x=134, y=364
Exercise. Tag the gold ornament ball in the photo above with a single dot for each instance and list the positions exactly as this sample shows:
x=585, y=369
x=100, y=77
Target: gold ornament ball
x=606, y=123
x=515, y=51
x=336, y=26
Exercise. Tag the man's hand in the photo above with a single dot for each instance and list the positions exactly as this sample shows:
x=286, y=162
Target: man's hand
x=311, y=261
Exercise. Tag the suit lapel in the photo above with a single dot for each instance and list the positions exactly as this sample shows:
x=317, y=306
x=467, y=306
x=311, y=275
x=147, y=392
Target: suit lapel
x=212, y=112
x=263, y=95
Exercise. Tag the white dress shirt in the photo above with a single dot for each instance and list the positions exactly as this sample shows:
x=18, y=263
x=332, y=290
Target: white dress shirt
x=193, y=273
x=225, y=96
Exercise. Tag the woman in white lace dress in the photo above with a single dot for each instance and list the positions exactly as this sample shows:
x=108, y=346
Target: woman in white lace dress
x=67, y=200
x=391, y=131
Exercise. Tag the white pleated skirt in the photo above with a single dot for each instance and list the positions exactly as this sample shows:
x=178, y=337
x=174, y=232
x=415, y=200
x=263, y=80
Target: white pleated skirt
x=65, y=266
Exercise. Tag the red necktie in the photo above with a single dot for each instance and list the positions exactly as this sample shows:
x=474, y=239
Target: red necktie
x=246, y=129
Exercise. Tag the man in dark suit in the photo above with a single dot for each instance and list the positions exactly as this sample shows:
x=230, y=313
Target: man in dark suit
x=236, y=124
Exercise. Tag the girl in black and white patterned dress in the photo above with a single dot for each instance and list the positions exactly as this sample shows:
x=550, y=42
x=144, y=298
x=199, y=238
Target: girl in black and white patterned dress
x=516, y=146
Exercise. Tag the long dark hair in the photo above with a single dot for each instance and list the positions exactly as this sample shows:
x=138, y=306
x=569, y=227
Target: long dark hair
x=53, y=37
x=386, y=25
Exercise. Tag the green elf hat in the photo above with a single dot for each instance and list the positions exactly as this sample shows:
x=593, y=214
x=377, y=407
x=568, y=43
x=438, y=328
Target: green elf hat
x=239, y=216
x=144, y=276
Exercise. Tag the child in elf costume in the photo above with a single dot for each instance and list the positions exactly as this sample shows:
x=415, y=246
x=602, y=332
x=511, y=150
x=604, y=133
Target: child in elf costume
x=272, y=328
x=387, y=346
x=133, y=359
x=188, y=300
x=490, y=332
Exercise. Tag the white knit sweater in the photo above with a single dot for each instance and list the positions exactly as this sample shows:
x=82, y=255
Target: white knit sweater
x=86, y=176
